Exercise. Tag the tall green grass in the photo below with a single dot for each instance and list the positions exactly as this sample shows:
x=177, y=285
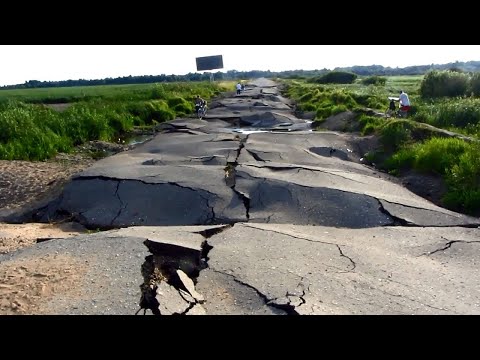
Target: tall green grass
x=456, y=160
x=32, y=131
x=450, y=113
x=329, y=99
x=130, y=92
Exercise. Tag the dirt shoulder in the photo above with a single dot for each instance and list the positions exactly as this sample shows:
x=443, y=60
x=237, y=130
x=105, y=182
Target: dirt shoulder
x=23, y=183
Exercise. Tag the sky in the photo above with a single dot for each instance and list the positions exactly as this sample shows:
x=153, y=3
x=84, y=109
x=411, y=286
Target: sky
x=20, y=63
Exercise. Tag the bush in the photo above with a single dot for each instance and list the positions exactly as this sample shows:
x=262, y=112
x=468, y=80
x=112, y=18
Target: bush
x=454, y=159
x=180, y=105
x=370, y=124
x=36, y=132
x=308, y=107
x=335, y=77
x=444, y=83
x=374, y=80
x=438, y=154
x=339, y=97
x=159, y=111
x=463, y=180
x=459, y=113
x=306, y=97
x=139, y=110
x=323, y=113
x=475, y=84
x=395, y=134
x=337, y=109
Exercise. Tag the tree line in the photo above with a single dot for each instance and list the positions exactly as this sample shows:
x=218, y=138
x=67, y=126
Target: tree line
x=470, y=66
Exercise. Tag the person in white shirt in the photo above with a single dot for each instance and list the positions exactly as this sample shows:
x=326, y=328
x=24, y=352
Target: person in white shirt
x=404, y=101
x=239, y=88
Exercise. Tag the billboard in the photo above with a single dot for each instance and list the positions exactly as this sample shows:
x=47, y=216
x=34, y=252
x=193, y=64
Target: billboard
x=209, y=62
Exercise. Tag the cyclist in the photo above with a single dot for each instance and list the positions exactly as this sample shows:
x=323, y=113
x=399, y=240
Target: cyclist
x=199, y=103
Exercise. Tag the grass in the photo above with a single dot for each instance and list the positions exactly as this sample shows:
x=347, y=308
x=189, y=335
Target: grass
x=29, y=130
x=458, y=114
x=455, y=160
x=321, y=98
x=130, y=92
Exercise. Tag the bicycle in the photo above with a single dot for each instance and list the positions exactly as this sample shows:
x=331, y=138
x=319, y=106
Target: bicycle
x=201, y=111
x=392, y=110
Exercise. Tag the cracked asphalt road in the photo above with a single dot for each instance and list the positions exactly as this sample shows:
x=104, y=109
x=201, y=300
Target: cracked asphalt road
x=272, y=220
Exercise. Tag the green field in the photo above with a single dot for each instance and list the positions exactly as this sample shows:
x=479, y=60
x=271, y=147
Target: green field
x=106, y=92
x=79, y=93
x=31, y=130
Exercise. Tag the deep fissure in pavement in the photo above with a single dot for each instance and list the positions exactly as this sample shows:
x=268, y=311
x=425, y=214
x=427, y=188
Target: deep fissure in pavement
x=231, y=174
x=178, y=268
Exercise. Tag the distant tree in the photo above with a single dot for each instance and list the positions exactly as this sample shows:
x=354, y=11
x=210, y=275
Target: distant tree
x=374, y=80
x=335, y=77
x=444, y=83
x=475, y=84
x=378, y=70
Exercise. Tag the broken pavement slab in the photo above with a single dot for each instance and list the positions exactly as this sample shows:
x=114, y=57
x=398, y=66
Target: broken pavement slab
x=170, y=301
x=190, y=286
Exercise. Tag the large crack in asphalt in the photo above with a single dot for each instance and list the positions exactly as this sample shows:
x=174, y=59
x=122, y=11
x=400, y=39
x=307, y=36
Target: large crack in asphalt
x=231, y=174
x=300, y=168
x=402, y=222
x=396, y=220
x=288, y=308
x=122, y=205
x=448, y=245
x=174, y=268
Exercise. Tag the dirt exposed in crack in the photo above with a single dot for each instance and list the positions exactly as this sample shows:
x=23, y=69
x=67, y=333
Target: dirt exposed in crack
x=164, y=265
x=177, y=266
x=152, y=275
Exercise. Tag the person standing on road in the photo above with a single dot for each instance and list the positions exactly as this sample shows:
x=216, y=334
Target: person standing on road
x=239, y=88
